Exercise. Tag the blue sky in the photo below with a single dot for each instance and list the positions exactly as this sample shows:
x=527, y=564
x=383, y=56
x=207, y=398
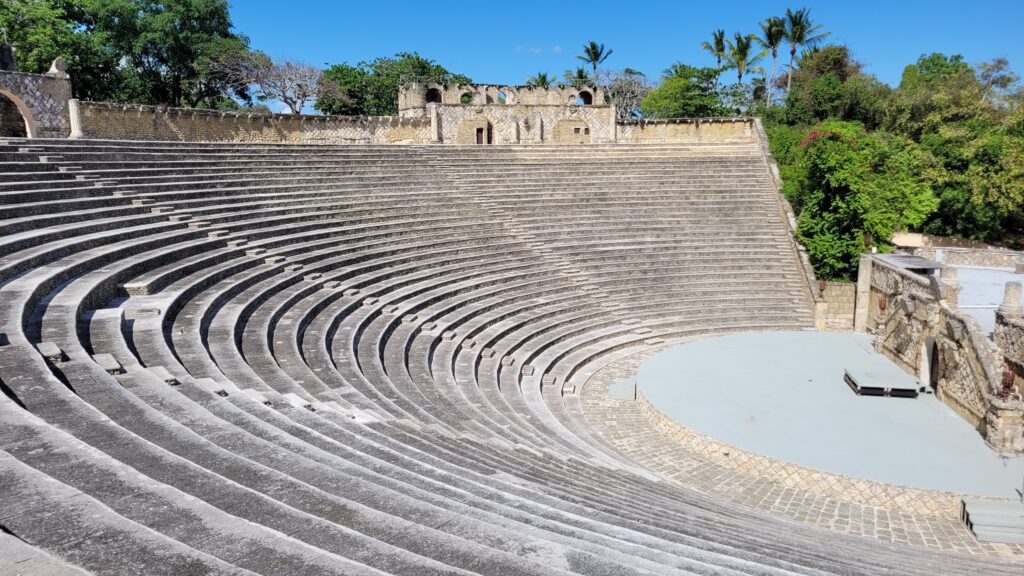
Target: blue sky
x=506, y=42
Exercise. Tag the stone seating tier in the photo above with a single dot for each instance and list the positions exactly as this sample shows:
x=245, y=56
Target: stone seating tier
x=268, y=359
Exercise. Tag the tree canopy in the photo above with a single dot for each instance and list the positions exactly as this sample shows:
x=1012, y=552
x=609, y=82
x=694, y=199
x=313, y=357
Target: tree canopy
x=372, y=87
x=128, y=50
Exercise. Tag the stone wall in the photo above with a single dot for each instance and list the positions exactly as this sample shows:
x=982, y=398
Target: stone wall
x=135, y=122
x=413, y=98
x=695, y=130
x=41, y=100
x=525, y=124
x=839, y=305
x=918, y=326
x=981, y=257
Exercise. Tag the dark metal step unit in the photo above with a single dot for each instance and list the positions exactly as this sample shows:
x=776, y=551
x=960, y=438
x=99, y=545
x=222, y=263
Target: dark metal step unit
x=999, y=521
x=862, y=385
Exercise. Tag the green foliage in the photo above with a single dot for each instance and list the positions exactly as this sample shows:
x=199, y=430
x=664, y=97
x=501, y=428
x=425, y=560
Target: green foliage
x=858, y=189
x=127, y=50
x=540, y=80
x=689, y=92
x=577, y=78
x=371, y=88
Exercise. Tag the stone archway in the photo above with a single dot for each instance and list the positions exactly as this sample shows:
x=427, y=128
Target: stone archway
x=16, y=119
x=41, y=100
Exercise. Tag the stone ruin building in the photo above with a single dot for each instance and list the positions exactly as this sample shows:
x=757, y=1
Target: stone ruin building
x=268, y=344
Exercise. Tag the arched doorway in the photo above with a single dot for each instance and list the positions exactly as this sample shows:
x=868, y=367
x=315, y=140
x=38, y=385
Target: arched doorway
x=15, y=117
x=433, y=96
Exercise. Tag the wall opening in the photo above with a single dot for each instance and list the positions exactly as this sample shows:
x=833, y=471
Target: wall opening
x=15, y=121
x=433, y=96
x=466, y=98
x=485, y=134
x=502, y=97
x=585, y=98
x=931, y=376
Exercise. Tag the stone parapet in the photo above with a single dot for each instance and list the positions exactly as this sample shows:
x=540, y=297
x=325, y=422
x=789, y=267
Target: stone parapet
x=976, y=257
x=41, y=99
x=918, y=329
x=137, y=122
x=696, y=130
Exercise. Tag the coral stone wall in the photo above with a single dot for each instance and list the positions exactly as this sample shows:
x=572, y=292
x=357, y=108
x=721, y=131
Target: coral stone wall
x=687, y=130
x=840, y=298
x=915, y=317
x=525, y=123
x=134, y=122
x=41, y=99
x=981, y=257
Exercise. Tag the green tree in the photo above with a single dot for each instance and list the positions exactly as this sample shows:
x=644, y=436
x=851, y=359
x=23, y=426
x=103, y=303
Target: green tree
x=859, y=188
x=801, y=32
x=43, y=31
x=371, y=88
x=595, y=55
x=539, y=80
x=717, y=48
x=689, y=92
x=163, y=47
x=741, y=56
x=578, y=78
x=773, y=32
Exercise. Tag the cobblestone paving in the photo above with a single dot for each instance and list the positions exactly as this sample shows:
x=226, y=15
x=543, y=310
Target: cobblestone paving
x=621, y=424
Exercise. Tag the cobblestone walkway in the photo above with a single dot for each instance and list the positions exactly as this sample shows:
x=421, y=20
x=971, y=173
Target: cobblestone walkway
x=622, y=424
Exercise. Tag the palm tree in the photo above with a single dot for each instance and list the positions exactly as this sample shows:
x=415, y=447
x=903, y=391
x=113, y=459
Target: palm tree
x=539, y=80
x=594, y=54
x=800, y=31
x=579, y=78
x=717, y=49
x=773, y=32
x=740, y=55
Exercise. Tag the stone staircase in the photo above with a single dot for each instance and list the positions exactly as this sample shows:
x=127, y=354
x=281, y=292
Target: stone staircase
x=298, y=359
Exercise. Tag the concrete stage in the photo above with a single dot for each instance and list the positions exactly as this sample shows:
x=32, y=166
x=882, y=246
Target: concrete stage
x=781, y=394
x=981, y=292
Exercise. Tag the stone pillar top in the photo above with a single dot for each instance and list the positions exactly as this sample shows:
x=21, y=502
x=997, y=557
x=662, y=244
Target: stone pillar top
x=1011, y=299
x=949, y=275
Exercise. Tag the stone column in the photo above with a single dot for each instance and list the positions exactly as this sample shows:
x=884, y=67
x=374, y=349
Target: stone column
x=950, y=286
x=613, y=134
x=435, y=124
x=1011, y=305
x=863, y=301
x=76, y=119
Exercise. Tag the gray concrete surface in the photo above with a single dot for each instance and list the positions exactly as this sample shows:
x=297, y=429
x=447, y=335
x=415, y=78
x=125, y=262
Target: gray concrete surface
x=981, y=291
x=782, y=394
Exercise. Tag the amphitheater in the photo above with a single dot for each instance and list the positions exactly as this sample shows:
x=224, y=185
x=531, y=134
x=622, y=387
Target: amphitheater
x=302, y=350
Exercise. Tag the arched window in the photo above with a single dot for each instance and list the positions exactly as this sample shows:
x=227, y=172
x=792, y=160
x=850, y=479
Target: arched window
x=502, y=97
x=466, y=98
x=585, y=98
x=433, y=96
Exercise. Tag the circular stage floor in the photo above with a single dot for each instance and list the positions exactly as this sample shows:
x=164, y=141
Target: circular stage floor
x=782, y=395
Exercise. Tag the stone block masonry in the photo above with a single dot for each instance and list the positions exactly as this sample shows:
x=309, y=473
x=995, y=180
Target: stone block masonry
x=135, y=122
x=41, y=100
x=839, y=302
